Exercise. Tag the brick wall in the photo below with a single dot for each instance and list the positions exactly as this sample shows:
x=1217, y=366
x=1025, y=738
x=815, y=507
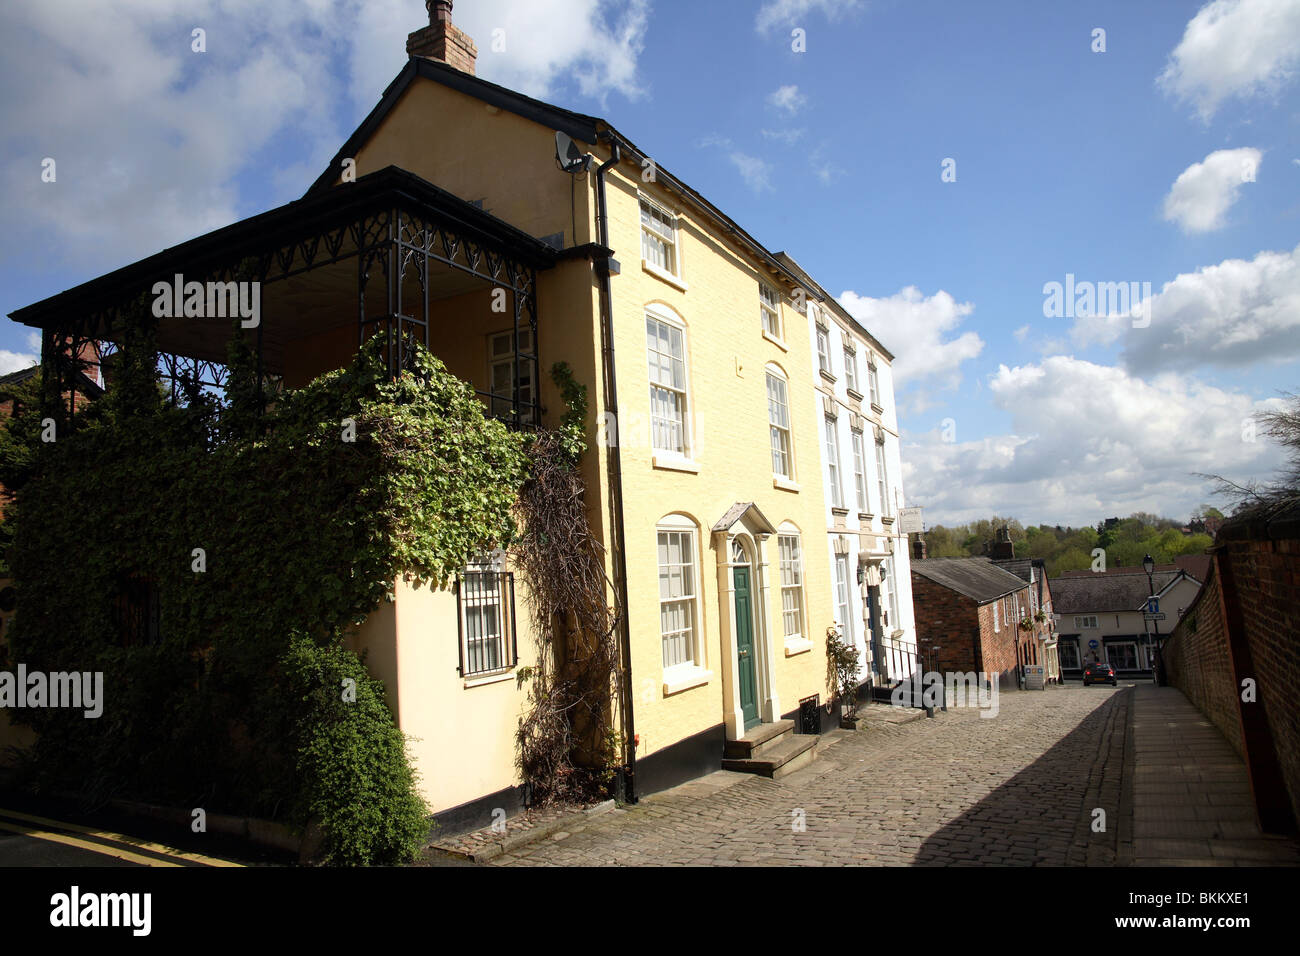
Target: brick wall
x=1196, y=661
x=1264, y=565
x=950, y=621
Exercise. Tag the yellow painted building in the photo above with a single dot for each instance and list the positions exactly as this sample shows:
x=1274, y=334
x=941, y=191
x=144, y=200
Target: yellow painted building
x=704, y=473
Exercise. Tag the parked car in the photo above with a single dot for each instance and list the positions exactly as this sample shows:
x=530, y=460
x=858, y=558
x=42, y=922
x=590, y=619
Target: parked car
x=1096, y=673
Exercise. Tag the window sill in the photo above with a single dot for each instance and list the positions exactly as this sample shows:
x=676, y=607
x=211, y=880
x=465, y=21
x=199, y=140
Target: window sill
x=827, y=375
x=663, y=275
x=775, y=341
x=675, y=463
x=854, y=394
x=865, y=515
x=785, y=484
x=484, y=679
x=677, y=681
x=842, y=512
x=887, y=521
x=797, y=645
x=878, y=409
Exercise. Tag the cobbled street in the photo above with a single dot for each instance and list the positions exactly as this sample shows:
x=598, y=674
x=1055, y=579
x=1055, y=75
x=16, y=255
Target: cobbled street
x=1017, y=789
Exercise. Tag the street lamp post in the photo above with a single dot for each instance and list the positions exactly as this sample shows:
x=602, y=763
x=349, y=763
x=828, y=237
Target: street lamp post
x=1149, y=565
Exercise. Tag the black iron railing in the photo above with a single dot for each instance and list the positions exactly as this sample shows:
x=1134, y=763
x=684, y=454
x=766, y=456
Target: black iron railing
x=486, y=622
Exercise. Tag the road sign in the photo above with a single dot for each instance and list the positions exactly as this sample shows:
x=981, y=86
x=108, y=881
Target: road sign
x=1092, y=644
x=1153, y=605
x=1153, y=617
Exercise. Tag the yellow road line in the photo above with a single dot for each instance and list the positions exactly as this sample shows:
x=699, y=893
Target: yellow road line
x=119, y=838
x=86, y=845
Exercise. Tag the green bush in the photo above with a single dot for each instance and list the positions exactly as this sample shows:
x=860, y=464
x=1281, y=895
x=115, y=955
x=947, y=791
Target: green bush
x=303, y=533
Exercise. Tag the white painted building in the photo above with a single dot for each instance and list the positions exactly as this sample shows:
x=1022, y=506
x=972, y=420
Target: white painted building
x=871, y=576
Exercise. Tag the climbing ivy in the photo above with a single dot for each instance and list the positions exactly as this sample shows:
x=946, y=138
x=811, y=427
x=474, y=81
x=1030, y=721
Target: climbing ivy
x=265, y=539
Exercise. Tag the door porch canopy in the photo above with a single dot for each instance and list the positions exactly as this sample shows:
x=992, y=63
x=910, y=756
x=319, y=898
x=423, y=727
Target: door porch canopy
x=372, y=254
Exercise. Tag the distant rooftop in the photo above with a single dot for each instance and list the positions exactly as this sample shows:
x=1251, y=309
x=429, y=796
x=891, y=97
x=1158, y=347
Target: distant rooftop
x=977, y=578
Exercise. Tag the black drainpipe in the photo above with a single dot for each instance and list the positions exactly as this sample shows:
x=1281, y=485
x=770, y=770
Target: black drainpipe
x=628, y=776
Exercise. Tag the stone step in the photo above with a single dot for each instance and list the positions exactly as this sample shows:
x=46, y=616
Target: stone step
x=794, y=752
x=758, y=739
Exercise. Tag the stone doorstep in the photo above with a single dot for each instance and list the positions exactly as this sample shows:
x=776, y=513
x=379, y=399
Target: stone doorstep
x=758, y=739
x=567, y=822
x=792, y=753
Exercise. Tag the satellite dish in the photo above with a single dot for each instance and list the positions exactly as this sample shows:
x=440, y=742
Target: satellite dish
x=567, y=154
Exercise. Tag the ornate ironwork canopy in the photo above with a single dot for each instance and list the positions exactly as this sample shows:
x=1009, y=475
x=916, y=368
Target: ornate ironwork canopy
x=375, y=253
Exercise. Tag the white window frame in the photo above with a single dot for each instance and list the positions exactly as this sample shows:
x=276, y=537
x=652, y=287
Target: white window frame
x=891, y=586
x=873, y=382
x=832, y=445
x=769, y=309
x=851, y=370
x=778, y=422
x=501, y=405
x=486, y=649
x=662, y=316
x=997, y=627
x=664, y=234
x=860, y=470
x=824, y=351
x=843, y=598
x=789, y=547
x=1081, y=622
x=688, y=657
x=882, y=480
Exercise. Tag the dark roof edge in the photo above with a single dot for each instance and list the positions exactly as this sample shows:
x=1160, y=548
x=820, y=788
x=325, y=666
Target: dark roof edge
x=201, y=251
x=581, y=127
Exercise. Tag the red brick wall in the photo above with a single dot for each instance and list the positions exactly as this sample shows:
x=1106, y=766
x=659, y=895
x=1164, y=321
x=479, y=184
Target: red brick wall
x=949, y=620
x=1265, y=570
x=964, y=631
x=1197, y=663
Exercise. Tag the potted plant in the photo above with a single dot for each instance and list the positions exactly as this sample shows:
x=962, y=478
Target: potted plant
x=1026, y=623
x=842, y=664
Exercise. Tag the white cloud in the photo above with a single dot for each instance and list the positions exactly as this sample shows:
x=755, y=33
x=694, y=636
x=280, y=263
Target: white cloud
x=1088, y=440
x=1021, y=333
x=155, y=143
x=757, y=173
x=148, y=135
x=1204, y=192
x=1234, y=48
x=14, y=361
x=787, y=99
x=778, y=13
x=923, y=334
x=1233, y=314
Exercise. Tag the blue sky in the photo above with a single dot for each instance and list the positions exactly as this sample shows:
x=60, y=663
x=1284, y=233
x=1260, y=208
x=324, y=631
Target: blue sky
x=1171, y=158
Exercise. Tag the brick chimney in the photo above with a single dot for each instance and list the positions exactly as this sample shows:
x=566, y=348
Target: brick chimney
x=441, y=41
x=1003, y=548
x=919, y=549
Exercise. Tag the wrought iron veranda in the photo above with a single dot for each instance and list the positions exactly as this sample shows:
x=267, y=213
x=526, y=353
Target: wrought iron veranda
x=399, y=228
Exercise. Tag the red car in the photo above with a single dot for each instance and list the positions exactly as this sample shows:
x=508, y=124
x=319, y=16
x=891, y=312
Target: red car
x=1099, y=674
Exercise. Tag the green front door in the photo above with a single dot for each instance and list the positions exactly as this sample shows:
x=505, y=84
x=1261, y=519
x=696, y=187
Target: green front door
x=745, y=677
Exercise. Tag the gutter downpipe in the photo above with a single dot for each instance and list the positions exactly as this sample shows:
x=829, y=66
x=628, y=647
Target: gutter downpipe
x=627, y=778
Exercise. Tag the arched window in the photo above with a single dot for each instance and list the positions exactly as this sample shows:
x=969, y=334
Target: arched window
x=678, y=592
